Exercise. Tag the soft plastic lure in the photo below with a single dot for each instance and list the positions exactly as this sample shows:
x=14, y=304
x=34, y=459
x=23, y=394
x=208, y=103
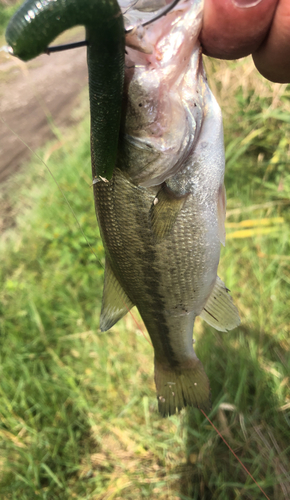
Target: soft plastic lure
x=38, y=22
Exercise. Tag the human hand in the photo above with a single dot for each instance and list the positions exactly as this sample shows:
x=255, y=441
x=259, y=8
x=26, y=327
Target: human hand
x=237, y=28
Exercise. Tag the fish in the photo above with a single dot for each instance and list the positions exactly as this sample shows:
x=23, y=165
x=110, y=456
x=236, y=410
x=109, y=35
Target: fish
x=162, y=214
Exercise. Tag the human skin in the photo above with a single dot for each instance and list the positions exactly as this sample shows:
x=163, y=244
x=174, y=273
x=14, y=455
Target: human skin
x=237, y=28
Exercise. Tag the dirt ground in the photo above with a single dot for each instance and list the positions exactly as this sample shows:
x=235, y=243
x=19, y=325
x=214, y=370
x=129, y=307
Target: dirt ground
x=29, y=94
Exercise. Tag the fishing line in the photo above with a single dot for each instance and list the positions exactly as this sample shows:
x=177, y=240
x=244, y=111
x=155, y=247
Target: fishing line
x=232, y=451
x=84, y=43
x=163, y=13
x=138, y=325
x=67, y=46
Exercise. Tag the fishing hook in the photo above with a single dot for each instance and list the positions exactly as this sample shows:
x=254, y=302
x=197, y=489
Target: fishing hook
x=84, y=43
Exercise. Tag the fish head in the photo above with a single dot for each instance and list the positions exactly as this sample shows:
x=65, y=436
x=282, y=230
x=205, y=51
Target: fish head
x=164, y=87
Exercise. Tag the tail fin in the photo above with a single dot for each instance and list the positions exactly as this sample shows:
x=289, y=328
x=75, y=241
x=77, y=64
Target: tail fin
x=179, y=388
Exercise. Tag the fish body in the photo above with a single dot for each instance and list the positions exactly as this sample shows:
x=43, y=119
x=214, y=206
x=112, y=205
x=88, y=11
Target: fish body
x=162, y=213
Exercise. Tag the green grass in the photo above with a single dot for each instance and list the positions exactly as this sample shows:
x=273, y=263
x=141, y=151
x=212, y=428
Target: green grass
x=78, y=413
x=7, y=9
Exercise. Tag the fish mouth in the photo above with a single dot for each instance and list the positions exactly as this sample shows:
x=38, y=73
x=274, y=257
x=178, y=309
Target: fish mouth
x=144, y=12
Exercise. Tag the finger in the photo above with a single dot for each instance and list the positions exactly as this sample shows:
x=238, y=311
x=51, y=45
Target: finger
x=235, y=28
x=272, y=58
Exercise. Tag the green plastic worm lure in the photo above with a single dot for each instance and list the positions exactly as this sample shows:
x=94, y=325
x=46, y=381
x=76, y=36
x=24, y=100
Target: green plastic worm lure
x=38, y=22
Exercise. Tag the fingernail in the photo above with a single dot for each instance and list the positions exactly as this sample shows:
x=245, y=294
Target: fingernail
x=245, y=4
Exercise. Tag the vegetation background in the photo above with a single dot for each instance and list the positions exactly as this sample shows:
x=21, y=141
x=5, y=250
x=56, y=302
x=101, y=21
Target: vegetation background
x=78, y=412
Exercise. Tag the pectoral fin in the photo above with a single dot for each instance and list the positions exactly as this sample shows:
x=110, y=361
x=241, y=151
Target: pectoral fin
x=115, y=302
x=164, y=211
x=219, y=310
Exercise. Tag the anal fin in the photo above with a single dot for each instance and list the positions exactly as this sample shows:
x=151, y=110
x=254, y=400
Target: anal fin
x=219, y=310
x=115, y=303
x=164, y=211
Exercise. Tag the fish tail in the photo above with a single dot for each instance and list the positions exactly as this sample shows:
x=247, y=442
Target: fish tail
x=177, y=388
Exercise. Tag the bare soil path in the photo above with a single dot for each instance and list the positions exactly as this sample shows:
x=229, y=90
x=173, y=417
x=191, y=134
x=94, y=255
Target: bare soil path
x=29, y=93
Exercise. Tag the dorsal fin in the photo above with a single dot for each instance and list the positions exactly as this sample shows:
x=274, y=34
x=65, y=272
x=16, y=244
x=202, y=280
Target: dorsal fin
x=164, y=211
x=219, y=310
x=115, y=303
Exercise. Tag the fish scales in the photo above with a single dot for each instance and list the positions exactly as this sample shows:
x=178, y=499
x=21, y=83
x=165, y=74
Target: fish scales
x=130, y=245
x=162, y=214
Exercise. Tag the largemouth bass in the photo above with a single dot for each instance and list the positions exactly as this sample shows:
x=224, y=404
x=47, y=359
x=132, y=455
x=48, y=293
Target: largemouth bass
x=162, y=214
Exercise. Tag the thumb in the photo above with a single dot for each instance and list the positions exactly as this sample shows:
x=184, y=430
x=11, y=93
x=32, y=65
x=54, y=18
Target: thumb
x=235, y=28
x=273, y=56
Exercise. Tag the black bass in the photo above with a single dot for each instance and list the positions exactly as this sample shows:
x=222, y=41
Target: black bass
x=162, y=214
